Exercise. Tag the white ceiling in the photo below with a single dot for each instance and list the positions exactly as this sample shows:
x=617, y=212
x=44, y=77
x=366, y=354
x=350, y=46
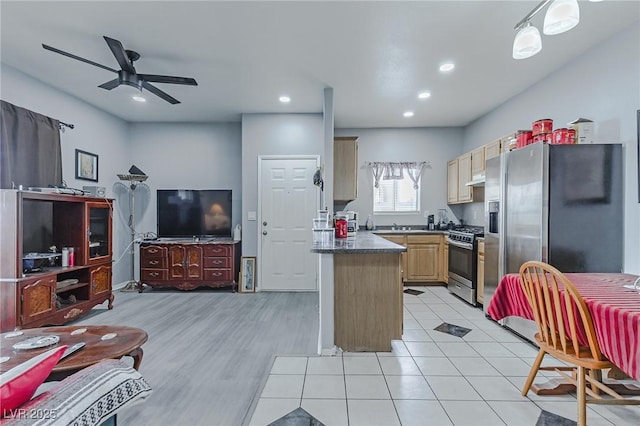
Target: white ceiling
x=244, y=55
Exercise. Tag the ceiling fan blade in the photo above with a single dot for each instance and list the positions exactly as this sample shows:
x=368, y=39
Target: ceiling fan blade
x=168, y=79
x=121, y=56
x=110, y=84
x=78, y=58
x=153, y=89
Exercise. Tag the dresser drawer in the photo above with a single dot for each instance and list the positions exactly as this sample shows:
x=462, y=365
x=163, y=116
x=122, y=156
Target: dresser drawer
x=218, y=275
x=153, y=251
x=153, y=275
x=153, y=262
x=217, y=250
x=217, y=262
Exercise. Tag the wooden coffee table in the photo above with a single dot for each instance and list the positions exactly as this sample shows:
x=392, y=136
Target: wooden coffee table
x=126, y=342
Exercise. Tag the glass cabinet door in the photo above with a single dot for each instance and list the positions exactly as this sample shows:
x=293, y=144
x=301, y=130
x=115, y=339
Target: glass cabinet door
x=98, y=231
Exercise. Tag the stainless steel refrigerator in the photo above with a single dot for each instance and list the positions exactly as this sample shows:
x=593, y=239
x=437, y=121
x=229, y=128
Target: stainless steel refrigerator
x=560, y=204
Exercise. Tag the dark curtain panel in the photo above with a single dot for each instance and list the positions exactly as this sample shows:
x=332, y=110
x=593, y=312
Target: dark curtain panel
x=30, y=152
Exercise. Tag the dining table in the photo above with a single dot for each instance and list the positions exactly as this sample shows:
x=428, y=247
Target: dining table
x=612, y=300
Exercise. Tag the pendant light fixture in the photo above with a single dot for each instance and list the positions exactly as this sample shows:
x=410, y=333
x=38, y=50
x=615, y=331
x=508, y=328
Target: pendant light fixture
x=561, y=16
x=527, y=42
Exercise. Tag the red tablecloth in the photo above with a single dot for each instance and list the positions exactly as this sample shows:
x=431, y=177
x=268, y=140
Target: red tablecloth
x=614, y=309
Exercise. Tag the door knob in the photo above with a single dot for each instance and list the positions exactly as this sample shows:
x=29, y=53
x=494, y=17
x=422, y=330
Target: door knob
x=264, y=223
x=264, y=232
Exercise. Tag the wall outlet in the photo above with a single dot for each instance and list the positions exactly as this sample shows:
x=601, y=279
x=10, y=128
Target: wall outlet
x=426, y=214
x=251, y=215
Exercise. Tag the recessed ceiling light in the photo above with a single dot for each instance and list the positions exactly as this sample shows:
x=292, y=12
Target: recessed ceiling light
x=284, y=99
x=424, y=95
x=138, y=98
x=447, y=67
x=408, y=114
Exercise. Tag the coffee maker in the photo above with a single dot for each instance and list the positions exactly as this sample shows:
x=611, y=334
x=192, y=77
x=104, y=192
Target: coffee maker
x=352, y=223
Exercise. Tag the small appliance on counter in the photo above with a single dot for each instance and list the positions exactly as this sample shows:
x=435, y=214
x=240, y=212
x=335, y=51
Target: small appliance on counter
x=352, y=223
x=431, y=223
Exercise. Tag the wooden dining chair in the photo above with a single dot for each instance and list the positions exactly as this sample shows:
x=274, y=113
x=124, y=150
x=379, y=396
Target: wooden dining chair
x=562, y=315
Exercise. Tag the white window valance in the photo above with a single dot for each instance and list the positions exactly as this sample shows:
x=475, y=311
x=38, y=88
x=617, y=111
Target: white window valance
x=388, y=170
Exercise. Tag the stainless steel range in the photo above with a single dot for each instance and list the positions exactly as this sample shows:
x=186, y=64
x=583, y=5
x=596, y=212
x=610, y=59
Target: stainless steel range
x=463, y=262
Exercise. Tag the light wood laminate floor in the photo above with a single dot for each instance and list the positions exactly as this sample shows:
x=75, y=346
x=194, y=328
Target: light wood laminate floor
x=209, y=351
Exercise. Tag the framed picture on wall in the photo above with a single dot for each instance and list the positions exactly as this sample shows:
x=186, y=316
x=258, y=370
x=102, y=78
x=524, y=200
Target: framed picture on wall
x=86, y=166
x=247, y=282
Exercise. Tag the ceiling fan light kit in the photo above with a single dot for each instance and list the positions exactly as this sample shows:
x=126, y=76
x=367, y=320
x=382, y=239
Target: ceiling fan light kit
x=561, y=16
x=127, y=74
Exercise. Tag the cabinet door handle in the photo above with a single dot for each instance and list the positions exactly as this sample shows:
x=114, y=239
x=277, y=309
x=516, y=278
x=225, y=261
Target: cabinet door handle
x=152, y=251
x=154, y=274
x=153, y=262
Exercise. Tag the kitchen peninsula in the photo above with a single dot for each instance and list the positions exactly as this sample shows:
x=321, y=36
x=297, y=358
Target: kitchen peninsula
x=367, y=277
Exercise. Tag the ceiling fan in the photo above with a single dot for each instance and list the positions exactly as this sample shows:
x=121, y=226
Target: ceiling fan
x=127, y=73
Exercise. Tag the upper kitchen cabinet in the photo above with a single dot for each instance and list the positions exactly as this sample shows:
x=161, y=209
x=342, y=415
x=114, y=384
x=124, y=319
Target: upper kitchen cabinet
x=492, y=149
x=452, y=181
x=345, y=168
x=477, y=162
x=458, y=174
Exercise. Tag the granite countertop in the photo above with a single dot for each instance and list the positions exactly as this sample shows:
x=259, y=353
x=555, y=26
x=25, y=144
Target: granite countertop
x=364, y=242
x=412, y=231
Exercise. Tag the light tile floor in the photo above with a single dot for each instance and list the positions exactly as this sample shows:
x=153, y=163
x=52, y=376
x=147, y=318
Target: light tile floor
x=429, y=378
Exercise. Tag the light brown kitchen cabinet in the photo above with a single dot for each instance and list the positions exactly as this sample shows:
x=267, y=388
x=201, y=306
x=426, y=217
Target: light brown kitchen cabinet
x=452, y=181
x=423, y=257
x=345, y=168
x=477, y=161
x=465, y=193
x=422, y=262
x=492, y=149
x=480, y=278
x=401, y=240
x=445, y=261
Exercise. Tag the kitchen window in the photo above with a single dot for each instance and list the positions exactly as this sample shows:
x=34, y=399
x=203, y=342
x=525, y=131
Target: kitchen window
x=396, y=196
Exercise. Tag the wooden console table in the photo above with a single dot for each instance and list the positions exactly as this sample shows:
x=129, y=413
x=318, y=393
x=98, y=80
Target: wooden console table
x=189, y=264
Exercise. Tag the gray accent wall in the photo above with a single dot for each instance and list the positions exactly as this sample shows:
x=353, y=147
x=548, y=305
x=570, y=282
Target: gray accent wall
x=188, y=156
x=434, y=145
x=602, y=85
x=272, y=134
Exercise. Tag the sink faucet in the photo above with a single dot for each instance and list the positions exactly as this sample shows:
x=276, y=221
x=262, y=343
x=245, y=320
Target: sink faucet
x=395, y=225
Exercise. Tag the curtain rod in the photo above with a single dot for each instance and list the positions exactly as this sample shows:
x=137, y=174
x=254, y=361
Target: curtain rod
x=71, y=126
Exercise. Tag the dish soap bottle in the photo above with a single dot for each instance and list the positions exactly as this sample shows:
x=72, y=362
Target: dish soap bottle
x=369, y=225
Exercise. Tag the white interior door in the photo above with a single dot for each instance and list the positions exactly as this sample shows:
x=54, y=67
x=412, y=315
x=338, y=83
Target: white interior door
x=288, y=203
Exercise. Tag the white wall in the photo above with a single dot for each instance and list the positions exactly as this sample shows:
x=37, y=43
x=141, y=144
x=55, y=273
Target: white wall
x=187, y=156
x=602, y=85
x=434, y=145
x=95, y=131
x=272, y=134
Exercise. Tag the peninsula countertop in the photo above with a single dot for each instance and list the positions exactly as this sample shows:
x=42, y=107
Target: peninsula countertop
x=364, y=242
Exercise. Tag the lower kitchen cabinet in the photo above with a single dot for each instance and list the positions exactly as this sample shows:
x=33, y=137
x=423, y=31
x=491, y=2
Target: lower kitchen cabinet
x=424, y=258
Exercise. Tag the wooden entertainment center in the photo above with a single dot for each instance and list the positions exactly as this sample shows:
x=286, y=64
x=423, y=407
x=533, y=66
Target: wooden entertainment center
x=187, y=264
x=33, y=222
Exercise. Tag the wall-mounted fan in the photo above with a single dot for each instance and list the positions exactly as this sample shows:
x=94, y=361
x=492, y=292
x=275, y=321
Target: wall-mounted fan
x=127, y=74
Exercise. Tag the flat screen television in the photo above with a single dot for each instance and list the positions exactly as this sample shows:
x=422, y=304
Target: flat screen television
x=194, y=213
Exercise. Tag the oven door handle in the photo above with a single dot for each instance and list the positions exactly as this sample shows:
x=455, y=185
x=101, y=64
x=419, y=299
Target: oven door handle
x=459, y=244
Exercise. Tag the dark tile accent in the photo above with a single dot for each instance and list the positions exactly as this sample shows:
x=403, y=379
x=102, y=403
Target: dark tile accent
x=454, y=330
x=298, y=417
x=549, y=419
x=414, y=292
